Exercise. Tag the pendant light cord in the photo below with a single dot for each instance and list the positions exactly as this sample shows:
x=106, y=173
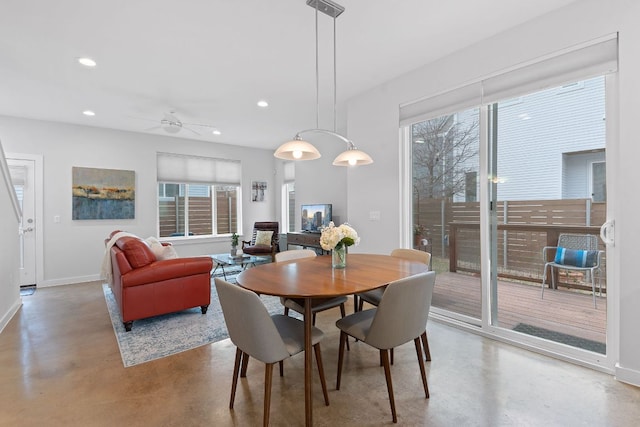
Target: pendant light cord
x=317, y=74
x=335, y=81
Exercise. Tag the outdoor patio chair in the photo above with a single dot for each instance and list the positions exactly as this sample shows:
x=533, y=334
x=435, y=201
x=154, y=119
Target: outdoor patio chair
x=577, y=252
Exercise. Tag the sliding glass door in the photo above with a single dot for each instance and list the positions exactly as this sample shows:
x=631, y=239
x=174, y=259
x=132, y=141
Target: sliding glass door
x=547, y=168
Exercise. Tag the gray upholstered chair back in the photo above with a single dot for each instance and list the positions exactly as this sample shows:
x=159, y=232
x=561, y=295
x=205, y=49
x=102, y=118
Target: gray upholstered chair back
x=412, y=255
x=249, y=324
x=403, y=311
x=295, y=254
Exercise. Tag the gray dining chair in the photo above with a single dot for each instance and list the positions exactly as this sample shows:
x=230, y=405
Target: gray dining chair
x=318, y=304
x=400, y=317
x=374, y=296
x=268, y=338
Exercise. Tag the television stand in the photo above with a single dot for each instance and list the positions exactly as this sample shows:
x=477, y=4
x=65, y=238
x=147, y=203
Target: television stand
x=305, y=239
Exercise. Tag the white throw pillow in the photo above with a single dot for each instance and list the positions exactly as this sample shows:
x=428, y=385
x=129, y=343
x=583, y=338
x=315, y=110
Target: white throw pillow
x=169, y=252
x=159, y=250
x=263, y=237
x=155, y=245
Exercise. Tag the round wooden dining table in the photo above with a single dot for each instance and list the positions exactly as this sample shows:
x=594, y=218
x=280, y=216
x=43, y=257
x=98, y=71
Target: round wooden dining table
x=315, y=278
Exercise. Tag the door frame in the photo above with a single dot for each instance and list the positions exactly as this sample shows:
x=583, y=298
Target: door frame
x=39, y=209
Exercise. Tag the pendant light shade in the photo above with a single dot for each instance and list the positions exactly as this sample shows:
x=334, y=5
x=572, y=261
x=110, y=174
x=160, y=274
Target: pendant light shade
x=352, y=157
x=297, y=149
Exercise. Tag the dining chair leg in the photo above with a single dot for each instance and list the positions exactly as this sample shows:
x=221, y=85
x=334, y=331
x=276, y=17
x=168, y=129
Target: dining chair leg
x=343, y=339
x=425, y=344
x=313, y=320
x=245, y=364
x=355, y=303
x=382, y=363
x=234, y=383
x=344, y=313
x=316, y=349
x=286, y=311
x=421, y=363
x=387, y=375
x=268, y=374
x=281, y=365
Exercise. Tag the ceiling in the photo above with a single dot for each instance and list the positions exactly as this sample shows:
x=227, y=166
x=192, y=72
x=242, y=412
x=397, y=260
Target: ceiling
x=210, y=61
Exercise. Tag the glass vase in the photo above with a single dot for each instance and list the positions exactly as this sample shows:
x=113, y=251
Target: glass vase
x=339, y=257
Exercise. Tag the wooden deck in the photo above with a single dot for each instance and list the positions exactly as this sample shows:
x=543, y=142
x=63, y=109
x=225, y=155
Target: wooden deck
x=565, y=311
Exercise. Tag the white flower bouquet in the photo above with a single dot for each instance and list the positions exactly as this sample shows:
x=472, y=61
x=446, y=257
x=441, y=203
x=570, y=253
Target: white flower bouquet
x=338, y=237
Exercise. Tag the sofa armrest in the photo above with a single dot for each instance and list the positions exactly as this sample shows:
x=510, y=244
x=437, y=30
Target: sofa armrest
x=166, y=270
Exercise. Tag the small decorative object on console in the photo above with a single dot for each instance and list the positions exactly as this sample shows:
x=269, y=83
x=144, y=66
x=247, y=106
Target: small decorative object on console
x=234, y=244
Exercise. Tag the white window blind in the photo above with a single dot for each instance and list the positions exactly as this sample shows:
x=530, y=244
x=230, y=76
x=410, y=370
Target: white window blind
x=452, y=101
x=579, y=64
x=289, y=172
x=591, y=59
x=179, y=168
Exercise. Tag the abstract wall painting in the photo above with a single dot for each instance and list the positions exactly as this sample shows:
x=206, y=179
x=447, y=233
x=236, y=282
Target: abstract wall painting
x=103, y=193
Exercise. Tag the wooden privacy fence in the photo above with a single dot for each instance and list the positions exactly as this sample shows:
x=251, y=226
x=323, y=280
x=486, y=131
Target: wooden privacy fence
x=524, y=228
x=172, y=214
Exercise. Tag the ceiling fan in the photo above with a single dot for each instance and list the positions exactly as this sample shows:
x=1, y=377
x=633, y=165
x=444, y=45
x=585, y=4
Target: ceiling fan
x=170, y=123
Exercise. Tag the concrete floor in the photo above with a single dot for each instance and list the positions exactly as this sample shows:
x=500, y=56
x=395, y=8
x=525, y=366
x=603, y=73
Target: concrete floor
x=60, y=365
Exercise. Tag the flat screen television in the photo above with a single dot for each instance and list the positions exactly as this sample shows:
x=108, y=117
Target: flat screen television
x=314, y=217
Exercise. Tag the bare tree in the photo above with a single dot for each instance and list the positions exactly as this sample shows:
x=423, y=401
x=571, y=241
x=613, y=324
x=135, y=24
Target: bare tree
x=442, y=150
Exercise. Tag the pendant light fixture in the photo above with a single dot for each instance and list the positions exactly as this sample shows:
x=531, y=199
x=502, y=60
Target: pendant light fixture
x=299, y=149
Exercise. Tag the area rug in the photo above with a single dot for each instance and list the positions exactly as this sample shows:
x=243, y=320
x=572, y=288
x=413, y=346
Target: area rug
x=165, y=335
x=571, y=340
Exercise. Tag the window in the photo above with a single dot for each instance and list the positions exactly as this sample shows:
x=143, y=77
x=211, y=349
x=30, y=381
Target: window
x=187, y=206
x=289, y=198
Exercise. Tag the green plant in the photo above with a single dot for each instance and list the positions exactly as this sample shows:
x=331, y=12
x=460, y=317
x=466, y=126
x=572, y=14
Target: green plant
x=419, y=230
x=234, y=239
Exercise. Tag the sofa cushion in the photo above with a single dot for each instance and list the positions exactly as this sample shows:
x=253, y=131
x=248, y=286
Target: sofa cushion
x=136, y=250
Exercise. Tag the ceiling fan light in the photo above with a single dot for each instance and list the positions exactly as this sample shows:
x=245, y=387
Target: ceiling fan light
x=170, y=126
x=297, y=149
x=353, y=157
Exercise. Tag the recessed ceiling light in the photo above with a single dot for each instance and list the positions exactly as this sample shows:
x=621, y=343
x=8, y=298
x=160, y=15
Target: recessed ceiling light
x=262, y=103
x=216, y=132
x=87, y=62
x=88, y=113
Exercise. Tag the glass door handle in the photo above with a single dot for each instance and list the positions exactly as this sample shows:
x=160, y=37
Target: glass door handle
x=607, y=232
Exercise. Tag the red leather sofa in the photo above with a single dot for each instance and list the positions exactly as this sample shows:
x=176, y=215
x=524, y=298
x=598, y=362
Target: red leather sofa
x=145, y=287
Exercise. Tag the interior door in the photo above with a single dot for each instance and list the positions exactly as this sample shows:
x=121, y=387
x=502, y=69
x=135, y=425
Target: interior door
x=23, y=177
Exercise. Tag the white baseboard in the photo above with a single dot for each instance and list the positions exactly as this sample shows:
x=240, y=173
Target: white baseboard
x=626, y=375
x=9, y=314
x=69, y=281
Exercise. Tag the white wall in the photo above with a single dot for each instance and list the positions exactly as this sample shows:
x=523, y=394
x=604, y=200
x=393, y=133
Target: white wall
x=373, y=122
x=9, y=256
x=73, y=249
x=318, y=181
